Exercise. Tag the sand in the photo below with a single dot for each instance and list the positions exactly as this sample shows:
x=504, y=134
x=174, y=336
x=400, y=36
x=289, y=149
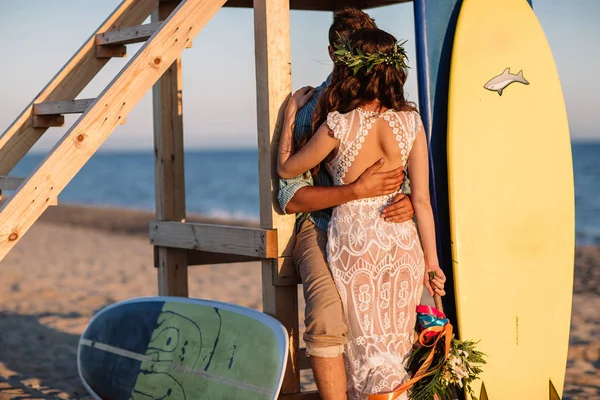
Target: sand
x=77, y=260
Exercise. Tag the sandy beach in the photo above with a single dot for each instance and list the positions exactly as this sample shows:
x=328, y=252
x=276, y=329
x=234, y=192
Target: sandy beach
x=77, y=260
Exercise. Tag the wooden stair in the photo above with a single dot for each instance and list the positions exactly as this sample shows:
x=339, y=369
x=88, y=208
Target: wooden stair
x=165, y=41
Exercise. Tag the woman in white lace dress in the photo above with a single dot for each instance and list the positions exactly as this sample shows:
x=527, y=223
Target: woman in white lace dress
x=379, y=267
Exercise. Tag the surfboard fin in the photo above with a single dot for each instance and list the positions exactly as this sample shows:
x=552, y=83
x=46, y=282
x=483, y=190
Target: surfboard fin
x=483, y=394
x=553, y=393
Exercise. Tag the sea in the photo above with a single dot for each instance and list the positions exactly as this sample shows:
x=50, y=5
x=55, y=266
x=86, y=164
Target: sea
x=224, y=184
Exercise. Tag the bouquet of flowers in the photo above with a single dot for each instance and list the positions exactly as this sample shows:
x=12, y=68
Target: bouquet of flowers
x=439, y=370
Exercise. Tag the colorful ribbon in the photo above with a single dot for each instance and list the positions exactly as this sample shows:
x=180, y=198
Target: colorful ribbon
x=438, y=327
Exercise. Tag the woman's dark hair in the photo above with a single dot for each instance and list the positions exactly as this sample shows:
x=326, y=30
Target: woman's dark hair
x=383, y=83
x=347, y=21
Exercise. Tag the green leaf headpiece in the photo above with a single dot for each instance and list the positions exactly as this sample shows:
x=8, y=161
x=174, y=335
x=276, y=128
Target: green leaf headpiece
x=357, y=60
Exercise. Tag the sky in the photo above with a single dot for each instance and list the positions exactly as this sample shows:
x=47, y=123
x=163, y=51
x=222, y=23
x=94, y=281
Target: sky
x=37, y=37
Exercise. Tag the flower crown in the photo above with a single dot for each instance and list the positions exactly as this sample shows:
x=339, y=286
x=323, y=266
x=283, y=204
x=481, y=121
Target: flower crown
x=357, y=59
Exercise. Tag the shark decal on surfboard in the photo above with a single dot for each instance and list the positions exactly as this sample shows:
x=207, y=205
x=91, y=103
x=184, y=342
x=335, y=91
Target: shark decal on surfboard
x=500, y=82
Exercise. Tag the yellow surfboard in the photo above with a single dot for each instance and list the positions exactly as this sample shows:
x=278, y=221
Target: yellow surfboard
x=511, y=199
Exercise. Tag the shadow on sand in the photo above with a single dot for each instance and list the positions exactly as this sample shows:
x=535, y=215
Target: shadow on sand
x=37, y=361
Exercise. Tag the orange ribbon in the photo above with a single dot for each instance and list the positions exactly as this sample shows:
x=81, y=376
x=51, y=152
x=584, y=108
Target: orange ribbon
x=443, y=331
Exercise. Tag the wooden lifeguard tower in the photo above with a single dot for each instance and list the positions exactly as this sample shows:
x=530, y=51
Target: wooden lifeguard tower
x=157, y=66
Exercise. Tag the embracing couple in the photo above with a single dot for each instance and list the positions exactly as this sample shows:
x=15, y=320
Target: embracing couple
x=343, y=151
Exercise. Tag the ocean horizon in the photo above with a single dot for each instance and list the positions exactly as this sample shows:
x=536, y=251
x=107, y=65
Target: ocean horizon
x=223, y=183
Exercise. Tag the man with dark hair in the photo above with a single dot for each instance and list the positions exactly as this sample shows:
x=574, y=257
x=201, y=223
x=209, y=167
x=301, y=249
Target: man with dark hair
x=311, y=198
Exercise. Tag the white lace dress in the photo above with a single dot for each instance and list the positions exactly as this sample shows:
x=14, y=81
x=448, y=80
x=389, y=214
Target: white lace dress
x=377, y=266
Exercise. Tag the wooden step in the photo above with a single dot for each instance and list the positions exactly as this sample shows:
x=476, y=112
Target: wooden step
x=10, y=182
x=50, y=113
x=133, y=34
x=48, y=121
x=62, y=107
x=253, y=242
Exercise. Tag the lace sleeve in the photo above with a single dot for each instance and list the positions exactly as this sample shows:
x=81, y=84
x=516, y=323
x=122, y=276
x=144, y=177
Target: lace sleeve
x=337, y=123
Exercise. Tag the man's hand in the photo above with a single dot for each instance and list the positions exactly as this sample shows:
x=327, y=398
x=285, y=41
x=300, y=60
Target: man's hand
x=372, y=183
x=400, y=210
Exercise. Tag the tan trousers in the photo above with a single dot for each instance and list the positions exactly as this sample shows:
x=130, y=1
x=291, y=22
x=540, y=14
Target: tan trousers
x=326, y=327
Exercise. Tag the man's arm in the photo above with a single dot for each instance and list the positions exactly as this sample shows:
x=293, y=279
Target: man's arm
x=295, y=197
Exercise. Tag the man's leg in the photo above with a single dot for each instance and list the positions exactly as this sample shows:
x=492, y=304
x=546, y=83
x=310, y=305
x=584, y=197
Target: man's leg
x=326, y=328
x=330, y=376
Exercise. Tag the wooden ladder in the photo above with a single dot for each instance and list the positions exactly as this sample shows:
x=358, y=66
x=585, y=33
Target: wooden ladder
x=165, y=41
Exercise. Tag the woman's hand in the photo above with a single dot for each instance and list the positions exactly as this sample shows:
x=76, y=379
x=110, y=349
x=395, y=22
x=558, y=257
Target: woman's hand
x=436, y=285
x=298, y=100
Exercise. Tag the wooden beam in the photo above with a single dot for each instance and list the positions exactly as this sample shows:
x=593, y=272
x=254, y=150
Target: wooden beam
x=285, y=272
x=62, y=107
x=197, y=257
x=111, y=51
x=169, y=174
x=48, y=121
x=132, y=34
x=323, y=5
x=10, y=182
x=88, y=133
x=273, y=86
x=254, y=242
x=303, y=359
x=312, y=395
x=68, y=82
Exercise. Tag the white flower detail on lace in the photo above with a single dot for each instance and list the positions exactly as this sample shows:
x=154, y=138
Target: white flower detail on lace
x=385, y=295
x=358, y=238
x=403, y=295
x=401, y=320
x=366, y=322
x=386, y=321
x=364, y=297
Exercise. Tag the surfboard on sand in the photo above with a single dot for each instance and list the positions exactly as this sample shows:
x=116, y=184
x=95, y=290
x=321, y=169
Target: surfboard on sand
x=511, y=198
x=179, y=348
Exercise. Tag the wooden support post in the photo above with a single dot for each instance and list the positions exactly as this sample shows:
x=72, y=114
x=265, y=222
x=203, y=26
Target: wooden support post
x=169, y=167
x=273, y=87
x=67, y=83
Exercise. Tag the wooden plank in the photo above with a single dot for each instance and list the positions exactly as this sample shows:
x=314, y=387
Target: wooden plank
x=68, y=82
x=116, y=51
x=62, y=107
x=197, y=257
x=132, y=34
x=10, y=182
x=311, y=395
x=48, y=121
x=254, y=242
x=303, y=359
x=282, y=303
x=285, y=273
x=323, y=5
x=52, y=201
x=91, y=130
x=169, y=174
x=273, y=86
